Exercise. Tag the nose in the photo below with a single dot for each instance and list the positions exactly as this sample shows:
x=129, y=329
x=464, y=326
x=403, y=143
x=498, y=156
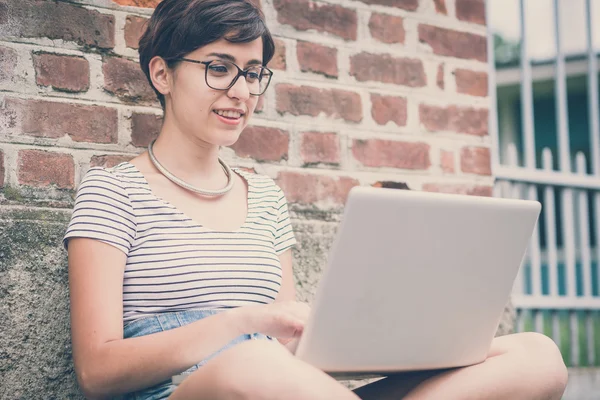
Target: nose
x=239, y=90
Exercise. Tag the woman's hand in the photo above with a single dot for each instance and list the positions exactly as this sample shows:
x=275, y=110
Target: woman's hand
x=281, y=319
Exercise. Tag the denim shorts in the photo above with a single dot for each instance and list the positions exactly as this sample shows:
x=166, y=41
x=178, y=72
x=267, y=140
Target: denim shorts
x=164, y=322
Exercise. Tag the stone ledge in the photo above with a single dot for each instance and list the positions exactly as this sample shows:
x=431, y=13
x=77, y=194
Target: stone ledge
x=36, y=349
x=23, y=213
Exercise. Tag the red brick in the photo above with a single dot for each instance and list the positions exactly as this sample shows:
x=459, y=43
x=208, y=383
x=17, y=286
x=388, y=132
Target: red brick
x=440, y=7
x=8, y=63
x=1, y=168
x=473, y=190
x=134, y=28
x=388, y=153
x=471, y=11
x=59, y=20
x=387, y=28
x=471, y=82
x=389, y=108
x=43, y=168
x=68, y=73
x=387, y=69
x=278, y=61
x=447, y=161
x=467, y=120
x=263, y=144
x=307, y=14
x=433, y=118
x=475, y=160
x=144, y=128
x=125, y=79
x=109, y=160
x=320, y=147
x=138, y=3
x=309, y=189
x=410, y=5
x=307, y=100
x=83, y=123
x=313, y=57
x=440, y=76
x=448, y=42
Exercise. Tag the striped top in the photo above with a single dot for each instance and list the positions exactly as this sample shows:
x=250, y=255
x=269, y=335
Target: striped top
x=174, y=263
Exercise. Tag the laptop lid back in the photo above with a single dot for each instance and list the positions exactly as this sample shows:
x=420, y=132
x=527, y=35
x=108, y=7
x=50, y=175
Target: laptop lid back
x=415, y=280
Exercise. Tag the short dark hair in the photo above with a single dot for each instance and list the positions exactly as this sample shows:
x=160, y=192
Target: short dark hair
x=178, y=27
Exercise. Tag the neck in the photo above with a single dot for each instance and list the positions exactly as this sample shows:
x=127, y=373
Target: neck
x=189, y=158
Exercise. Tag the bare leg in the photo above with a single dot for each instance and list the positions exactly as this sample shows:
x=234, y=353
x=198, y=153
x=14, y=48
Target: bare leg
x=262, y=370
x=521, y=366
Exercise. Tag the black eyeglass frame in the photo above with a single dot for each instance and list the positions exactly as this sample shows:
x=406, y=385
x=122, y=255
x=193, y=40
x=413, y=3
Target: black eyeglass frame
x=241, y=72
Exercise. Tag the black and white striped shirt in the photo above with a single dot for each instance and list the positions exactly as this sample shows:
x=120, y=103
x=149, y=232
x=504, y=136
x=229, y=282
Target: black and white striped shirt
x=173, y=263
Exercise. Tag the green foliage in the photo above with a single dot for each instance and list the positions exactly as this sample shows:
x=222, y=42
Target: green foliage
x=506, y=53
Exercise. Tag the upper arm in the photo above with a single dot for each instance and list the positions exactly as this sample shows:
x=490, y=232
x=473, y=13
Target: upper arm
x=288, y=288
x=96, y=292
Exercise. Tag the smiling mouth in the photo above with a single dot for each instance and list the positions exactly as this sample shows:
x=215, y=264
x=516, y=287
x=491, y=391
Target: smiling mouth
x=229, y=114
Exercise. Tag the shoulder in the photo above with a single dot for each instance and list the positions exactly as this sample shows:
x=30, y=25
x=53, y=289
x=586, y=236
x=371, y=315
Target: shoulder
x=107, y=185
x=259, y=182
x=119, y=176
x=103, y=209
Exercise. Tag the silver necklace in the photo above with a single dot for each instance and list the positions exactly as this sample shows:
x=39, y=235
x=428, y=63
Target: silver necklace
x=183, y=184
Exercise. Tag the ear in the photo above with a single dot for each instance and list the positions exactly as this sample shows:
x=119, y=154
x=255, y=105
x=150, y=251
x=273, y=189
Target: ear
x=160, y=75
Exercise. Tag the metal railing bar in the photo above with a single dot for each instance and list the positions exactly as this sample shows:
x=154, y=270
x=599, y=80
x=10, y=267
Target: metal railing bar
x=526, y=94
x=553, y=178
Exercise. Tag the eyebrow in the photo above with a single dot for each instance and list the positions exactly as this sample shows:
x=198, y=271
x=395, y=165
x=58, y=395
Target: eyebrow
x=229, y=57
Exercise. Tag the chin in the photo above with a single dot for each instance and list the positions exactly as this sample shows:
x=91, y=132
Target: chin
x=227, y=140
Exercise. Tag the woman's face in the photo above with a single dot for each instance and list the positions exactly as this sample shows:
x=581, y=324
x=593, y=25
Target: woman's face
x=213, y=117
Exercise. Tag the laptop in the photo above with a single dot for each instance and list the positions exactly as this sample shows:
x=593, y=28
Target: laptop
x=415, y=281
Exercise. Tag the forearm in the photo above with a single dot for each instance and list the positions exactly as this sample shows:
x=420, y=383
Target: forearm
x=127, y=365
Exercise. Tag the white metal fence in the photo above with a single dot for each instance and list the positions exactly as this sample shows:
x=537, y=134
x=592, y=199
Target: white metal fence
x=557, y=291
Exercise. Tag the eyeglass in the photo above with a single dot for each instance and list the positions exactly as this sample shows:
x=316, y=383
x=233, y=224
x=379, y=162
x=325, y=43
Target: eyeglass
x=222, y=75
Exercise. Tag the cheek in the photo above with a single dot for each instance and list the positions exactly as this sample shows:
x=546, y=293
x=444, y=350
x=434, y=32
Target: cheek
x=204, y=102
x=255, y=103
x=192, y=91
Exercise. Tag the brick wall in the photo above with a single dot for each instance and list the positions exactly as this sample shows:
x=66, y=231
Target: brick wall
x=364, y=92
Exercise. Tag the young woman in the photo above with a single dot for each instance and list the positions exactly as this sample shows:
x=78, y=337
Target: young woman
x=179, y=264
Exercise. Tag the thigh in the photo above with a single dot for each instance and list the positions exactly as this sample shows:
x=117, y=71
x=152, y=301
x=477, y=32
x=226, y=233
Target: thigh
x=399, y=385
x=259, y=370
x=395, y=386
x=166, y=321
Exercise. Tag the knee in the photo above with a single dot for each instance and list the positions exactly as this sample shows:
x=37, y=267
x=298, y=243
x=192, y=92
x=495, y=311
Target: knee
x=267, y=370
x=540, y=347
x=251, y=369
x=539, y=352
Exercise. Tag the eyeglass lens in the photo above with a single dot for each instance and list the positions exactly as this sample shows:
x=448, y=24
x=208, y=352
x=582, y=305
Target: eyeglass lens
x=220, y=75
